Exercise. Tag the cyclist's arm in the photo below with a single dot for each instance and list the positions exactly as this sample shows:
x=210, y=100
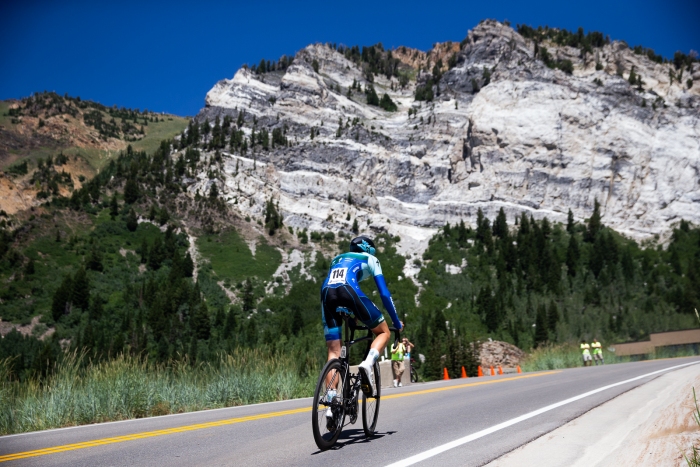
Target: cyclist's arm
x=387, y=301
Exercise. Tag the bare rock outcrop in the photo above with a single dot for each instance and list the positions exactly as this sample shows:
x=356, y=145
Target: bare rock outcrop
x=497, y=353
x=503, y=131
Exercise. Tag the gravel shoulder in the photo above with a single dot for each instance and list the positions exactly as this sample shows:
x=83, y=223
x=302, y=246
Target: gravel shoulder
x=649, y=425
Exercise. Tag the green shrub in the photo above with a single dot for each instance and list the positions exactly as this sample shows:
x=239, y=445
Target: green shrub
x=18, y=169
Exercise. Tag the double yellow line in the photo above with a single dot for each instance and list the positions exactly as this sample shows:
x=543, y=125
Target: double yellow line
x=230, y=421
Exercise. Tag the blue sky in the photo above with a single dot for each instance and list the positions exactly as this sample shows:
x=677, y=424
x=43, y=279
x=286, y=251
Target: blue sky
x=165, y=56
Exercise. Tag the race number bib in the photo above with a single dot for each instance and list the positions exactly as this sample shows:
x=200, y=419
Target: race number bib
x=338, y=276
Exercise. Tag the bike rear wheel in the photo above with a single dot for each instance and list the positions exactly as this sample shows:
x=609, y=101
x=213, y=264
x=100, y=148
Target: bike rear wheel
x=370, y=405
x=326, y=430
x=414, y=375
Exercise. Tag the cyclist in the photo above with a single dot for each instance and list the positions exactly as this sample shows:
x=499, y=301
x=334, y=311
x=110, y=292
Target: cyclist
x=341, y=293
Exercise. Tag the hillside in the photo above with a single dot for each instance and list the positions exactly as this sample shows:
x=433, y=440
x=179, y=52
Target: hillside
x=82, y=136
x=514, y=183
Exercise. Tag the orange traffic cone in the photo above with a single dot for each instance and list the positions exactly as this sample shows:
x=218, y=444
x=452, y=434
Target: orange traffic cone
x=519, y=370
x=480, y=372
x=464, y=373
x=500, y=370
x=493, y=373
x=445, y=375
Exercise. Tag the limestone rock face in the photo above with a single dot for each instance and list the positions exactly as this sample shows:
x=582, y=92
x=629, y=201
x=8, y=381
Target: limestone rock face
x=527, y=138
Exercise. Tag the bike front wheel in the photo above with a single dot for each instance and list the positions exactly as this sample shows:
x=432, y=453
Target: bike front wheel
x=327, y=429
x=370, y=405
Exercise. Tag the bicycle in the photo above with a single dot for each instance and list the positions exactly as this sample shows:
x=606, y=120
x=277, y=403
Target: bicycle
x=414, y=373
x=336, y=374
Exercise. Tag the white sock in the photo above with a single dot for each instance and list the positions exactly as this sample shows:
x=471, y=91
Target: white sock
x=372, y=357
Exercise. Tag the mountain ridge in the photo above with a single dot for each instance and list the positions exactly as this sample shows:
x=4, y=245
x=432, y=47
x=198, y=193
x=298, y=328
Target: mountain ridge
x=507, y=129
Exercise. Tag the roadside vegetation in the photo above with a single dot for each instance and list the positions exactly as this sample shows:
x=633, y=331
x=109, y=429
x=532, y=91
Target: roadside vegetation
x=80, y=391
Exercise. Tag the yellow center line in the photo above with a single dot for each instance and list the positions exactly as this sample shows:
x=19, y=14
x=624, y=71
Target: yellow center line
x=230, y=421
x=467, y=385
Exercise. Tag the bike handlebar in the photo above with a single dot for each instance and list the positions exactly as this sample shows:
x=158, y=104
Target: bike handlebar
x=397, y=335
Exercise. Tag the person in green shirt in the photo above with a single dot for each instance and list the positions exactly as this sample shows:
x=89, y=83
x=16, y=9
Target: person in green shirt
x=397, y=365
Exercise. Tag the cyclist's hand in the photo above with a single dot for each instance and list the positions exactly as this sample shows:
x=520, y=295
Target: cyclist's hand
x=400, y=326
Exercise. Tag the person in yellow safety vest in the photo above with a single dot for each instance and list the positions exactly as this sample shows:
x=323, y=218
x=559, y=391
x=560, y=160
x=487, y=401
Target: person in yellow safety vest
x=597, y=352
x=397, y=365
x=586, y=350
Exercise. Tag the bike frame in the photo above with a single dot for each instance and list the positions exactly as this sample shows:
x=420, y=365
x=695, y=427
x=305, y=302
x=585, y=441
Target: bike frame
x=352, y=383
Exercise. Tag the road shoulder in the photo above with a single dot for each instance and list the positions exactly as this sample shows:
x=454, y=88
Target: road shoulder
x=649, y=425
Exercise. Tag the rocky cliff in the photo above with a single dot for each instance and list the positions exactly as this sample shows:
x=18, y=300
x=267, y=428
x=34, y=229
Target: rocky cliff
x=503, y=131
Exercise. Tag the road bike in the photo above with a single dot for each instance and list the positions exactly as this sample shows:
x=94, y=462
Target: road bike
x=336, y=376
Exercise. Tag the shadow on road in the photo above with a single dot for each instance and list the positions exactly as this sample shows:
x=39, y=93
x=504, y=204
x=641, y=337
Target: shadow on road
x=355, y=436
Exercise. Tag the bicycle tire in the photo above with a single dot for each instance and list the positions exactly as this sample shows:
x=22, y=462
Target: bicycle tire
x=414, y=375
x=326, y=438
x=370, y=405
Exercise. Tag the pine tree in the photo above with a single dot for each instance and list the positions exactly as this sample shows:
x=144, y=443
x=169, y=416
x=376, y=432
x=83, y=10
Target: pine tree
x=248, y=297
x=489, y=309
x=187, y=265
x=572, y=256
x=570, y=222
x=500, y=227
x=201, y=324
x=156, y=254
x=60, y=304
x=29, y=268
x=541, y=334
x=131, y=191
x=387, y=104
x=80, y=296
x=113, y=207
x=355, y=227
x=594, y=224
x=552, y=318
x=132, y=222
x=372, y=97
x=230, y=324
x=94, y=259
x=96, y=310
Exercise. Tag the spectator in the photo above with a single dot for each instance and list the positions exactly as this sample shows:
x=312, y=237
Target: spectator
x=397, y=365
x=409, y=348
x=586, y=351
x=597, y=352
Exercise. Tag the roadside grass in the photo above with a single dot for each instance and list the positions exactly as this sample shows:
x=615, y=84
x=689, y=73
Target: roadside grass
x=562, y=356
x=231, y=257
x=81, y=392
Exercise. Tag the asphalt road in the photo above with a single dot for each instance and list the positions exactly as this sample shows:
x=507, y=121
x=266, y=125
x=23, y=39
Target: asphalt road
x=499, y=411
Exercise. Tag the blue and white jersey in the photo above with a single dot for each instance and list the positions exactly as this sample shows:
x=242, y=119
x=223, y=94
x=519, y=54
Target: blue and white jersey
x=352, y=268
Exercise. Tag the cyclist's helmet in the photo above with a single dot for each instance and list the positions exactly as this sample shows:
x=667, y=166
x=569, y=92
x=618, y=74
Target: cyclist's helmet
x=362, y=244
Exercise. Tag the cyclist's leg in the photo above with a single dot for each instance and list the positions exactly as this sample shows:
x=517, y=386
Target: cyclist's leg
x=331, y=328
x=368, y=313
x=375, y=321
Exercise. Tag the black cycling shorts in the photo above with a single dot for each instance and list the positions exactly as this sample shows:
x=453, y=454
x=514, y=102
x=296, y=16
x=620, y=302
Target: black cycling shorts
x=346, y=299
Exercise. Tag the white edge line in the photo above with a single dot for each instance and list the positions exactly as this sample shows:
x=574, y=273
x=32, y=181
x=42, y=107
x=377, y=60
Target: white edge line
x=480, y=434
